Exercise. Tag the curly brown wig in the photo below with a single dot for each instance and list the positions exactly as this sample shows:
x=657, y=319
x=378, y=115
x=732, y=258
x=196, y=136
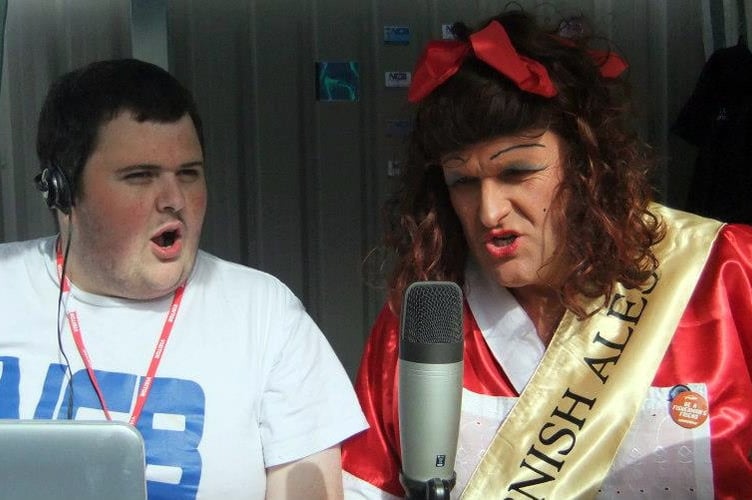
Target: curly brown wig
x=602, y=203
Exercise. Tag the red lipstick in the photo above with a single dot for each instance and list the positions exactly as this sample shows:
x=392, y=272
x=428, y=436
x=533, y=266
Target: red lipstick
x=502, y=244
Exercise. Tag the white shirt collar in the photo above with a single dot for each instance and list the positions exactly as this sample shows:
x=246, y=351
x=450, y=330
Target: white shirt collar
x=507, y=329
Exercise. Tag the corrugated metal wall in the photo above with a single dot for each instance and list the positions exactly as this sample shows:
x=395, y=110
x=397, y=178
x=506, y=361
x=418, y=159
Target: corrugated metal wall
x=296, y=184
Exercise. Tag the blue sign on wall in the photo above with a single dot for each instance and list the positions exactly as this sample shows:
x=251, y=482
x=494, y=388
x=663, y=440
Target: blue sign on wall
x=397, y=35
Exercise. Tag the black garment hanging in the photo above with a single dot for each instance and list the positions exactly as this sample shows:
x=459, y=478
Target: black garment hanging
x=717, y=119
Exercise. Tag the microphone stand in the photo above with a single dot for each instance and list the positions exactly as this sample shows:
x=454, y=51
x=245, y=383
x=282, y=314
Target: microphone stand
x=433, y=489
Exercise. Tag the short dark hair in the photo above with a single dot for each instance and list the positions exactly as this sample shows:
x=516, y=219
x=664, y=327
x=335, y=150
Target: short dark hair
x=81, y=101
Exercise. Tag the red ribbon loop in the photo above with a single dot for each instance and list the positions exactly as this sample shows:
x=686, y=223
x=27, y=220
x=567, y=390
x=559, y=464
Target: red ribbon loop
x=440, y=60
x=610, y=64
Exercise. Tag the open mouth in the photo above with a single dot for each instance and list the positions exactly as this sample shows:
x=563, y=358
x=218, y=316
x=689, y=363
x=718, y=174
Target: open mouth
x=504, y=240
x=166, y=239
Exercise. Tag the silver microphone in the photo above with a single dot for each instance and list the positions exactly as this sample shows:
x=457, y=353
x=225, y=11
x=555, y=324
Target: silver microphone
x=430, y=387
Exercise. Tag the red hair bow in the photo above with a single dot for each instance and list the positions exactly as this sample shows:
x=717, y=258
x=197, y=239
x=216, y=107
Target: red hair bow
x=443, y=58
x=610, y=64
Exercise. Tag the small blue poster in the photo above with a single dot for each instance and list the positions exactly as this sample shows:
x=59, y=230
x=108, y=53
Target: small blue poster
x=397, y=35
x=337, y=81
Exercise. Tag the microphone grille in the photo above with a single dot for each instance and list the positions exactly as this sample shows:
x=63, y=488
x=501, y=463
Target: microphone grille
x=432, y=313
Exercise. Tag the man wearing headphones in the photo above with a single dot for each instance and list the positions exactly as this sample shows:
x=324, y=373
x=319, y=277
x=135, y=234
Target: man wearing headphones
x=233, y=387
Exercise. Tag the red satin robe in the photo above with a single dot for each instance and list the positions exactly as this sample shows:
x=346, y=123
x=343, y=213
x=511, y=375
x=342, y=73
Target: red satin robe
x=712, y=345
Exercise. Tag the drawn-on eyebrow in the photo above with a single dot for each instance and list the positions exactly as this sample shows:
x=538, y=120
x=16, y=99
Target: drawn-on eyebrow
x=516, y=146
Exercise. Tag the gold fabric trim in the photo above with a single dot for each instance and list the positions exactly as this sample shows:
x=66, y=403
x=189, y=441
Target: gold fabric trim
x=560, y=438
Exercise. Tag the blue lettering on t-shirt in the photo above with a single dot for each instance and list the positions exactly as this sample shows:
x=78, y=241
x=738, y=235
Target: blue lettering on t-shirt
x=177, y=447
x=50, y=392
x=9, y=380
x=173, y=443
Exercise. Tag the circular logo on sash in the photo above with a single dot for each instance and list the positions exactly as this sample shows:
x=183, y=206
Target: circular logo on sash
x=688, y=408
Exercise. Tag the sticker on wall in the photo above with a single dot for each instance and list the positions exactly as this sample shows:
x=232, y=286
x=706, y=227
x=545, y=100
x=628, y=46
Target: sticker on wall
x=398, y=128
x=397, y=35
x=393, y=168
x=446, y=32
x=398, y=78
x=337, y=81
x=575, y=27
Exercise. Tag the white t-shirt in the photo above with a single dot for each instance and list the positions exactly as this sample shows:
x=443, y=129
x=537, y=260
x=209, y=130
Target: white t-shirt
x=247, y=380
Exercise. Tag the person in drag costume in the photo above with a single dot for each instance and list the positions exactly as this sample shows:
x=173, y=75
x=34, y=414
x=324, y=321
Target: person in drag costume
x=607, y=338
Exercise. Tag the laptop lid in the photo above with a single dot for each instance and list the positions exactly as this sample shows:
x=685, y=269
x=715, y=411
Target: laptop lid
x=71, y=459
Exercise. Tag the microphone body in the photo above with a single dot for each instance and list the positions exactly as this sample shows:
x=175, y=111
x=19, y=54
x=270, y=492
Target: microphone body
x=430, y=387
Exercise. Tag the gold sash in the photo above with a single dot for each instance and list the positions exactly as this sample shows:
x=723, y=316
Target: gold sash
x=560, y=438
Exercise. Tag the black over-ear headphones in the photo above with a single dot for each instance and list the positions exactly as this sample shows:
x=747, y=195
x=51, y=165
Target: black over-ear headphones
x=55, y=188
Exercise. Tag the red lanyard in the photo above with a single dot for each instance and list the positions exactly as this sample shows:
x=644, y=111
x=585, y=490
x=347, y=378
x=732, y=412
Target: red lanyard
x=143, y=392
